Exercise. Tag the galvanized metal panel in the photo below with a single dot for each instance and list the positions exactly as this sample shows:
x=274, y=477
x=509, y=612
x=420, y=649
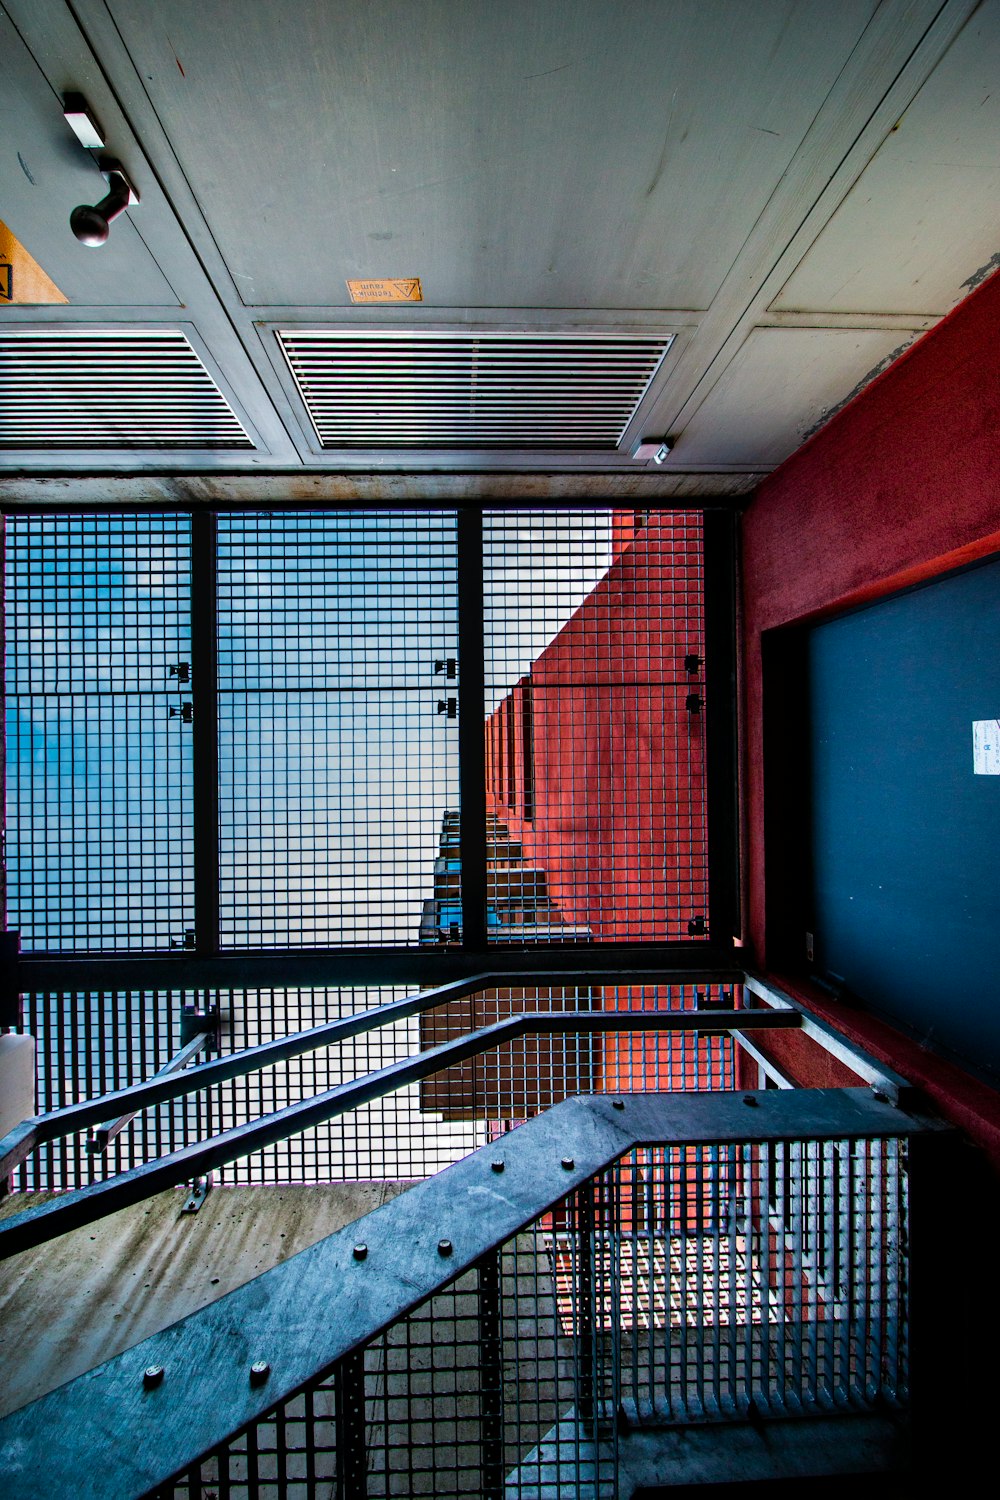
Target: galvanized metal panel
x=913, y=229
x=597, y=155
x=782, y=383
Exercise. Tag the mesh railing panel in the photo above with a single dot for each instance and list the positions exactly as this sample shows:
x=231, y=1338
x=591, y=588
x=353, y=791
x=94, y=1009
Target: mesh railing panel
x=99, y=831
x=684, y=1284
x=763, y=1278
x=467, y=1396
x=595, y=741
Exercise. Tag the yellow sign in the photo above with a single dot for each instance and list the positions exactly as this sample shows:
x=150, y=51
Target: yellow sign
x=21, y=277
x=386, y=289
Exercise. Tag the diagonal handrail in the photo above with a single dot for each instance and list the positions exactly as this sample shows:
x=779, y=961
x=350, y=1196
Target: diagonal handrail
x=33, y=1226
x=331, y=1299
x=40, y=1129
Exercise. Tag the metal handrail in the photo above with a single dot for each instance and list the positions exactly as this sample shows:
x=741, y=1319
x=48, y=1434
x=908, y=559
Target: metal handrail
x=41, y=1129
x=104, y=1134
x=33, y=1226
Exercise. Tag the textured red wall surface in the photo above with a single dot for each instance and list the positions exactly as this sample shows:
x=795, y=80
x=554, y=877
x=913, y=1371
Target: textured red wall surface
x=900, y=486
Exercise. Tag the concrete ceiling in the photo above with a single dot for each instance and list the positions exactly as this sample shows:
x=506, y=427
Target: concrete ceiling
x=793, y=190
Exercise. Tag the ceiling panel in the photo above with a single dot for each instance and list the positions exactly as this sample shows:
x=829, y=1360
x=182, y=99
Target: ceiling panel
x=598, y=155
x=44, y=174
x=781, y=384
x=922, y=217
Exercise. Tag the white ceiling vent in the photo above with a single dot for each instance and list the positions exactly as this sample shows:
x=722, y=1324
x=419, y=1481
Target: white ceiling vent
x=413, y=388
x=110, y=388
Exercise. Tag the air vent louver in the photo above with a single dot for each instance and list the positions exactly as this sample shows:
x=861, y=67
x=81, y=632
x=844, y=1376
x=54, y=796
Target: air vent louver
x=110, y=388
x=418, y=389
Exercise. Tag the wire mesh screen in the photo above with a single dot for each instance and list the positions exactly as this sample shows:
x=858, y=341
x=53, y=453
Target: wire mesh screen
x=98, y=725
x=89, y=1044
x=338, y=742
x=764, y=1278
x=595, y=739
x=391, y=1139
x=473, y=1394
x=688, y=1283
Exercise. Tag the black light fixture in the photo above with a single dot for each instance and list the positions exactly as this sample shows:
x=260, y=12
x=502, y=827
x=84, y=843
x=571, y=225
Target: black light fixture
x=91, y=223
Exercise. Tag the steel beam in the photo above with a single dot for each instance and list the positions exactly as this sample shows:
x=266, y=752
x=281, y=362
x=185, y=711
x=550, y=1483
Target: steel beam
x=205, y=727
x=879, y=1075
x=721, y=767
x=471, y=728
x=298, y=968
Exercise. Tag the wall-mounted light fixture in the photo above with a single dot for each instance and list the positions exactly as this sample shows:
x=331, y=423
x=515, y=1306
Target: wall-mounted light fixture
x=91, y=222
x=647, y=448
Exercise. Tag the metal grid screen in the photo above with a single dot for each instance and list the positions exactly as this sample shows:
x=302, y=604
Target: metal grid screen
x=760, y=1278
x=98, y=649
x=595, y=739
x=703, y=1282
x=337, y=734
x=90, y=1044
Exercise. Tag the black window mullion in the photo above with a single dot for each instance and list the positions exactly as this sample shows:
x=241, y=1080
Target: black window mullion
x=471, y=727
x=205, y=705
x=721, y=774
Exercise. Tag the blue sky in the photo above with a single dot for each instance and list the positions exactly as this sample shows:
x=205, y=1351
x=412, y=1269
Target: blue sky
x=334, y=765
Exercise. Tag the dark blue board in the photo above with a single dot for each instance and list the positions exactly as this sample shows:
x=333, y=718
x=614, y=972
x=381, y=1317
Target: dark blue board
x=905, y=838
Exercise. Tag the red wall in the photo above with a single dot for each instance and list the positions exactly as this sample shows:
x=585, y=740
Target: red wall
x=903, y=484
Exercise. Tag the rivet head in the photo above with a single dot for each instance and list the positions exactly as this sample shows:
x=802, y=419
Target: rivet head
x=360, y=1252
x=568, y=1163
x=618, y=1104
x=444, y=1247
x=751, y=1100
x=498, y=1165
x=152, y=1376
x=259, y=1371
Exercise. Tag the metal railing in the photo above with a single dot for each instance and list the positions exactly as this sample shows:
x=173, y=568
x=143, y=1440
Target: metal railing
x=72, y=1210
x=514, y=1324
x=452, y=1096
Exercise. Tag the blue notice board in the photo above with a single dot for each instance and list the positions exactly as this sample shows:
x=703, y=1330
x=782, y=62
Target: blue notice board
x=904, y=773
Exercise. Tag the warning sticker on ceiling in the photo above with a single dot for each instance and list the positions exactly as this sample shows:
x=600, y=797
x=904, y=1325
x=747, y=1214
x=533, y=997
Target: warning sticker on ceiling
x=21, y=277
x=386, y=289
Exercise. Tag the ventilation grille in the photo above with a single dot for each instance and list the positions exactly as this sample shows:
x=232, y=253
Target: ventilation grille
x=69, y=388
x=406, y=389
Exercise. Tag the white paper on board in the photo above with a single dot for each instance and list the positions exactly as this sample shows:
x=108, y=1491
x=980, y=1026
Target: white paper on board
x=986, y=747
